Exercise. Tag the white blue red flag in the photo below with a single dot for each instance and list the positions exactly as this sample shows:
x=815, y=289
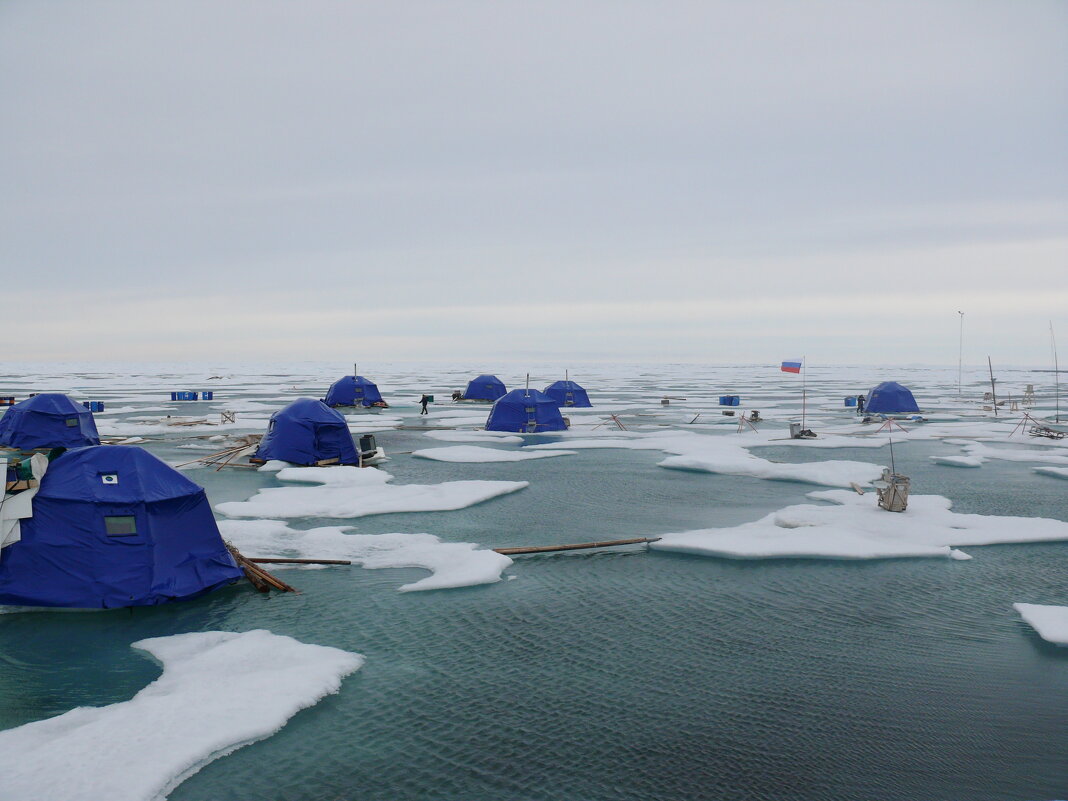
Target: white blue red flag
x=791, y=366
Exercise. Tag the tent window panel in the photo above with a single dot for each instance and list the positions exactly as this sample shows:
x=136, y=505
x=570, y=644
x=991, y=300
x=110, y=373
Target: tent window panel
x=121, y=525
x=72, y=422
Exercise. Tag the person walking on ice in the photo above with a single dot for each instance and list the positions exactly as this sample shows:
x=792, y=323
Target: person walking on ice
x=423, y=401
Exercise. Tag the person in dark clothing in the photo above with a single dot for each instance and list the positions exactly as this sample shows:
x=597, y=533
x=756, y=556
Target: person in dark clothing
x=860, y=404
x=423, y=401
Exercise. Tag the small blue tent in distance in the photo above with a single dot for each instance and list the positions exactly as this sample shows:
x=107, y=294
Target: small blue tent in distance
x=308, y=432
x=525, y=411
x=48, y=420
x=485, y=388
x=891, y=397
x=113, y=526
x=568, y=393
x=353, y=390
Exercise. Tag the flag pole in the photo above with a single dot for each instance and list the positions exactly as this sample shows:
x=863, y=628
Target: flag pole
x=804, y=391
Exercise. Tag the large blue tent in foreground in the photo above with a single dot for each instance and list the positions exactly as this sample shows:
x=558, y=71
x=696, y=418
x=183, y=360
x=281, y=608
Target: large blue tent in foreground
x=485, y=388
x=114, y=526
x=891, y=397
x=308, y=432
x=353, y=390
x=568, y=393
x=525, y=411
x=48, y=420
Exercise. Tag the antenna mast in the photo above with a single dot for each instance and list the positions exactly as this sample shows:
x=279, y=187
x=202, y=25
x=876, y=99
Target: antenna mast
x=1056, y=373
x=960, y=351
x=993, y=390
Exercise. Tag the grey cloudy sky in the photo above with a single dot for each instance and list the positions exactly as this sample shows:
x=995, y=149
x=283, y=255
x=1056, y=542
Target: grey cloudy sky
x=676, y=181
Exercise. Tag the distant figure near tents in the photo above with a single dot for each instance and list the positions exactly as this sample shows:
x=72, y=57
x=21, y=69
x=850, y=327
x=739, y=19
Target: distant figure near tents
x=525, y=411
x=354, y=390
x=423, y=401
x=484, y=389
x=48, y=420
x=308, y=432
x=891, y=397
x=113, y=526
x=569, y=393
x=860, y=403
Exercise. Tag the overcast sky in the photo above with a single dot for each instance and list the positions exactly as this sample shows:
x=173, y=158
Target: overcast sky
x=642, y=181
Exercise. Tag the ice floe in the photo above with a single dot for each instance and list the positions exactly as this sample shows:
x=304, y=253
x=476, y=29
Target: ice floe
x=473, y=453
x=474, y=436
x=452, y=564
x=976, y=453
x=219, y=691
x=346, y=492
x=1056, y=472
x=1050, y=622
x=716, y=454
x=853, y=527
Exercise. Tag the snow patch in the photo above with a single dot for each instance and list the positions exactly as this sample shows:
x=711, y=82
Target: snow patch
x=855, y=528
x=1051, y=622
x=219, y=691
x=473, y=453
x=347, y=492
x=453, y=564
x=713, y=454
x=1056, y=472
x=474, y=436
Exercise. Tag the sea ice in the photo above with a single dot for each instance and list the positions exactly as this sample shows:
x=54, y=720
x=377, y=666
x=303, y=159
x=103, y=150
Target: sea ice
x=715, y=454
x=472, y=453
x=219, y=691
x=474, y=436
x=855, y=528
x=979, y=452
x=1051, y=622
x=453, y=564
x=1056, y=472
x=346, y=492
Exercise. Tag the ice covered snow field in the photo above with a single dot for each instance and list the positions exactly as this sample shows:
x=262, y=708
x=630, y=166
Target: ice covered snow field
x=818, y=623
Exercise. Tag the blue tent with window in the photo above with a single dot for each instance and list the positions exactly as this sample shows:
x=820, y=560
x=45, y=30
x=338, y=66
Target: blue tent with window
x=485, y=388
x=525, y=411
x=308, y=432
x=353, y=390
x=891, y=397
x=568, y=393
x=114, y=526
x=48, y=420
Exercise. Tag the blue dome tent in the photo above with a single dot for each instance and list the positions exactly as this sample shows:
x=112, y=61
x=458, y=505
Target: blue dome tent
x=49, y=420
x=891, y=397
x=308, y=432
x=525, y=411
x=353, y=391
x=568, y=393
x=114, y=526
x=485, y=388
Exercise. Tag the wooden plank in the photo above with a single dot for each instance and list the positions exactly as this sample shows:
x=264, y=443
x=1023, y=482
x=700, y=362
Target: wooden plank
x=575, y=547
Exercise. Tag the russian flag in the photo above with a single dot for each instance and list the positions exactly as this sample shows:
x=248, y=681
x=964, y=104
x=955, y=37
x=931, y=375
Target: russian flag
x=791, y=366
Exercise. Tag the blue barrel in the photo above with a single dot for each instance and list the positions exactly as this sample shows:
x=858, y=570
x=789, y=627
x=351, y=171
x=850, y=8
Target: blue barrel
x=94, y=406
x=207, y=395
x=183, y=396
x=851, y=400
x=730, y=400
